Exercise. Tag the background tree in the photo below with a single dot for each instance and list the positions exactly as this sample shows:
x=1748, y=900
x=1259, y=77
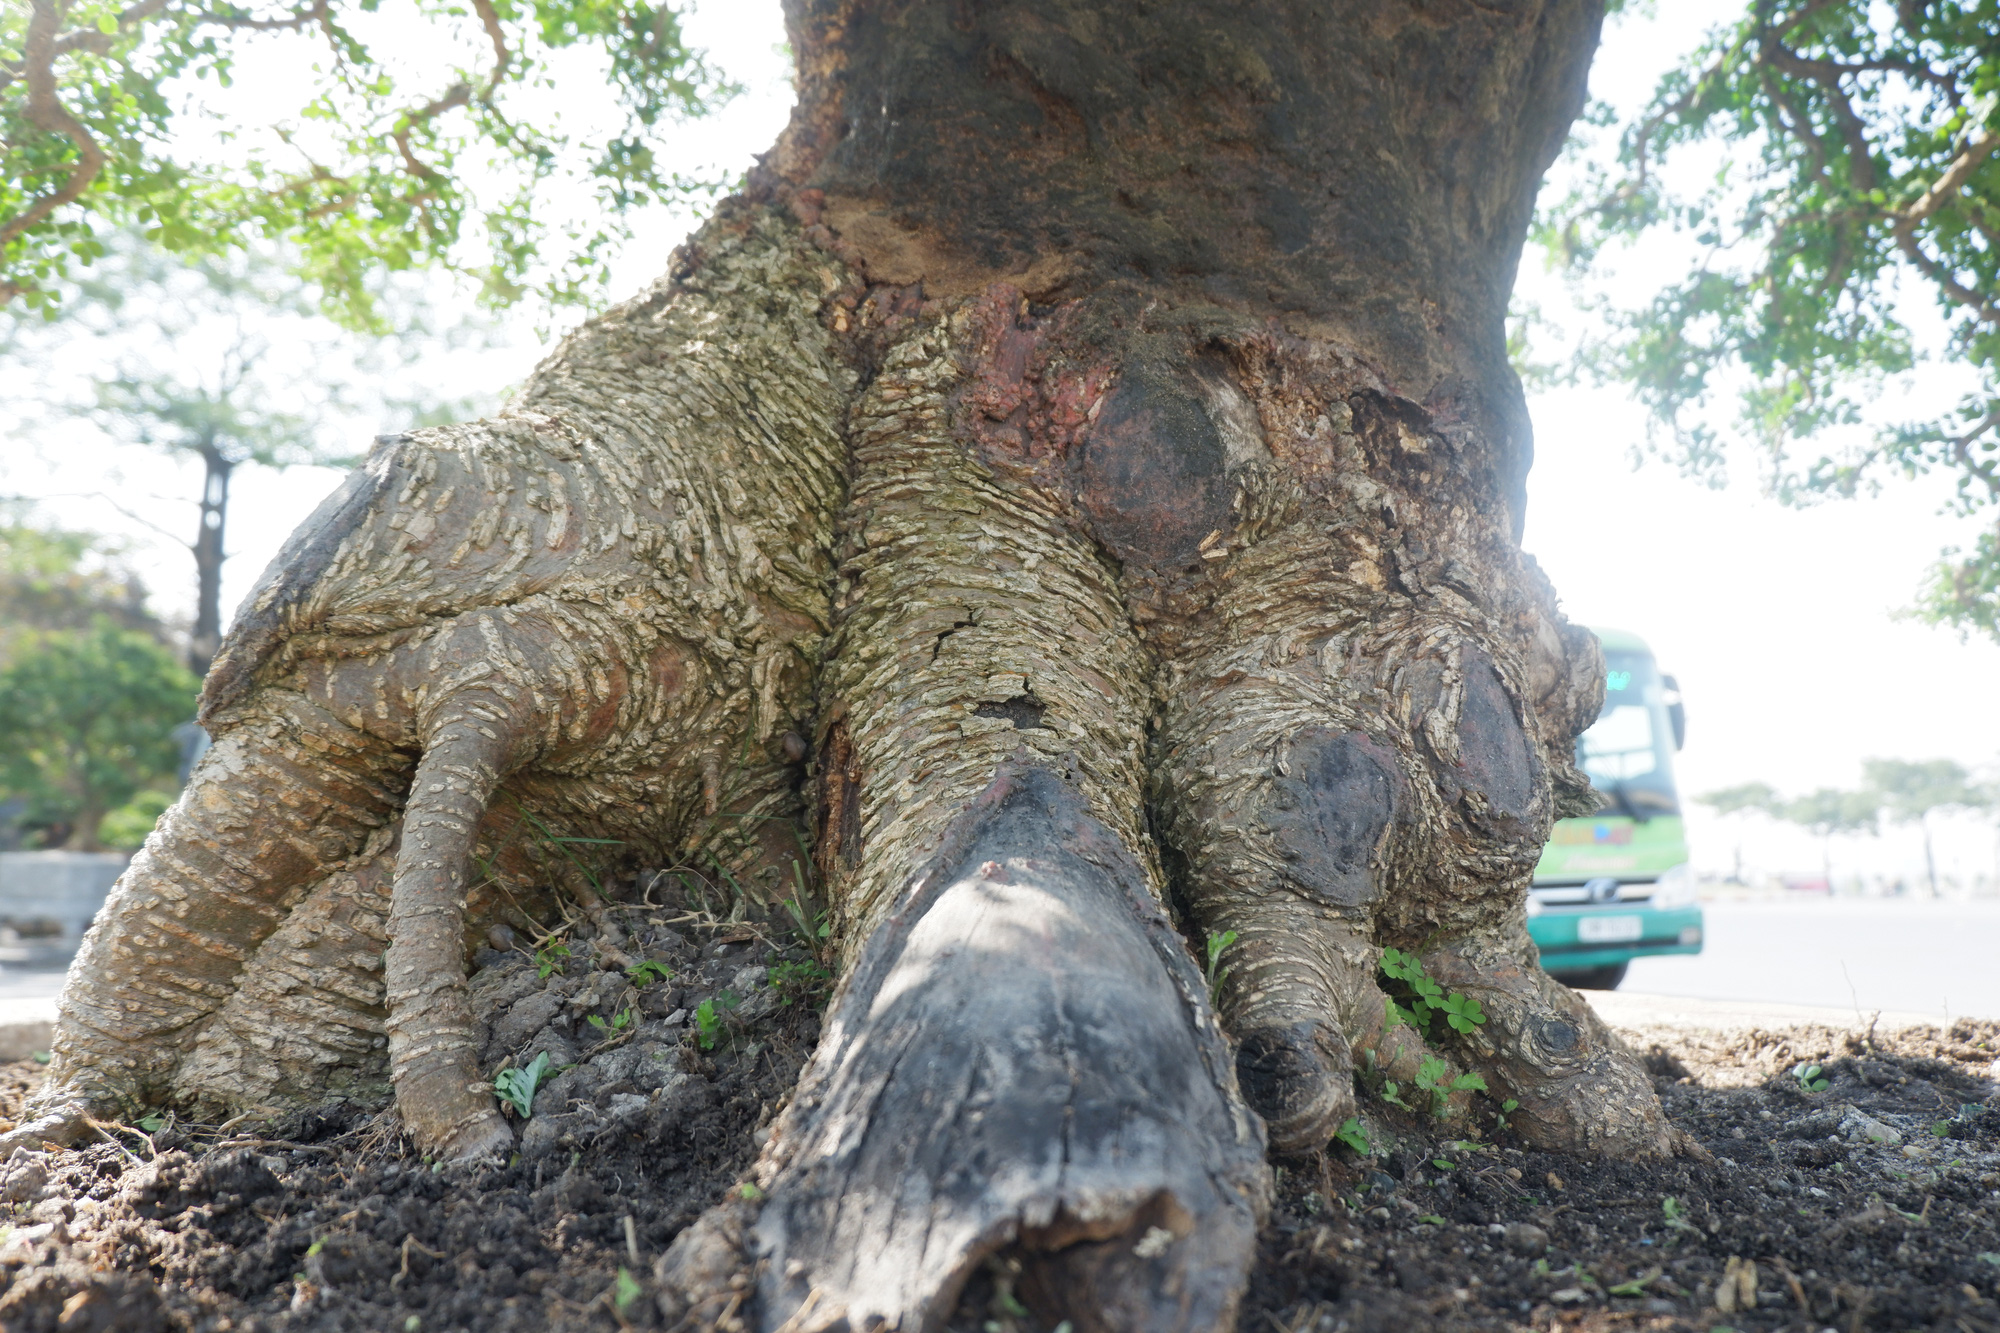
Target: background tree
x=1748, y=798
x=259, y=378
x=1830, y=811
x=1911, y=791
x=1860, y=175
x=1744, y=798
x=63, y=582
x=86, y=724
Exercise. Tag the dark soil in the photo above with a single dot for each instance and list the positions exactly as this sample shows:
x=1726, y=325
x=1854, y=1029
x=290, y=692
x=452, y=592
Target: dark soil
x=333, y=1223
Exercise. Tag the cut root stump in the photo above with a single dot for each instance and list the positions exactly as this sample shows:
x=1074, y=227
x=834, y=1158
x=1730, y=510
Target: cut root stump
x=1023, y=1063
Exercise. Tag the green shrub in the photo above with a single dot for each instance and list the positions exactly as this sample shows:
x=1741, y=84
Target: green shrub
x=86, y=724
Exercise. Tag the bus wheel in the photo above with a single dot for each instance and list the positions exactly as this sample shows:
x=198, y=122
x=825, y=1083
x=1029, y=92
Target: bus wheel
x=1596, y=978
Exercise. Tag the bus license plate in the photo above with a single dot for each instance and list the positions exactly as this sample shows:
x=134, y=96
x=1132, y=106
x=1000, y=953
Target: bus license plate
x=1609, y=929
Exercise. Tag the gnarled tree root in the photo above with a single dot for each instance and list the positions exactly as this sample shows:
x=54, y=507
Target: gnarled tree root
x=1580, y=1089
x=1022, y=1061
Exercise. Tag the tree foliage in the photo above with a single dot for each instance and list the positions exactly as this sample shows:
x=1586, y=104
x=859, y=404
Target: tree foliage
x=1758, y=797
x=1910, y=791
x=419, y=133
x=1859, y=171
x=86, y=723
x=52, y=579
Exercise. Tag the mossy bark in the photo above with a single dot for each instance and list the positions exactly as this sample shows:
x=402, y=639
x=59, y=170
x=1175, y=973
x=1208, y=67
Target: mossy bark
x=1118, y=480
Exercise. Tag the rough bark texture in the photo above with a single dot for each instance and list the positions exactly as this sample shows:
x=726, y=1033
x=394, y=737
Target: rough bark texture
x=1094, y=431
x=610, y=600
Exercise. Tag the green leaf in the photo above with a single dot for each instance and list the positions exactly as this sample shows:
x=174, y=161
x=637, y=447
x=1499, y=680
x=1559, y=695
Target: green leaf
x=626, y=1290
x=645, y=973
x=516, y=1087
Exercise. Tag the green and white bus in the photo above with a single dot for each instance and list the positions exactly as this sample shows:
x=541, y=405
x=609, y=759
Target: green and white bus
x=1616, y=885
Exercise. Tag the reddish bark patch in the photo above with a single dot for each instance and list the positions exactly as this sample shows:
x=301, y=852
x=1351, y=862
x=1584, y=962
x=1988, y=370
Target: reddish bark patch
x=1028, y=397
x=838, y=815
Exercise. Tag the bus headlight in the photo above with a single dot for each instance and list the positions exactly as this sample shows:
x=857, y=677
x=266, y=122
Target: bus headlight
x=1675, y=888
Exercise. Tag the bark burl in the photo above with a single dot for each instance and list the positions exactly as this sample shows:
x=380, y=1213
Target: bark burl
x=1089, y=446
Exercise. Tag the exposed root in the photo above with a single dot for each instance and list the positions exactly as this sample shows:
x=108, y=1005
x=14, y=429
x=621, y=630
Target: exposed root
x=608, y=598
x=1023, y=1062
x=1580, y=1089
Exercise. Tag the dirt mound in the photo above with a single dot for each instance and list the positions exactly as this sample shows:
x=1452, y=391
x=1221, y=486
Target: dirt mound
x=1863, y=1193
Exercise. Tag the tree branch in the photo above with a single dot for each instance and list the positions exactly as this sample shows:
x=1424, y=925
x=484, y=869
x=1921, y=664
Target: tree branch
x=1942, y=191
x=1987, y=471
x=1787, y=61
x=100, y=495
x=459, y=94
x=1954, y=178
x=84, y=39
x=498, y=35
x=45, y=111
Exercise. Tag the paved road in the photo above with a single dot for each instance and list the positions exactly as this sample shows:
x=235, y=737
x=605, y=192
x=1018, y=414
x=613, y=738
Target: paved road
x=1937, y=959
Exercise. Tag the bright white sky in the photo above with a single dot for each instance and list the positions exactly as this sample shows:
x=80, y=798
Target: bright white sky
x=1780, y=623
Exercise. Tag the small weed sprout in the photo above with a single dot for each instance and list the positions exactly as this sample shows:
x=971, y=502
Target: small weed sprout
x=1214, y=975
x=813, y=926
x=1353, y=1135
x=626, y=1291
x=1392, y=1094
x=516, y=1087
x=1810, y=1078
x=793, y=980
x=550, y=958
x=708, y=1019
x=1676, y=1218
x=619, y=1021
x=1507, y=1108
x=646, y=973
x=1432, y=1078
x=1422, y=999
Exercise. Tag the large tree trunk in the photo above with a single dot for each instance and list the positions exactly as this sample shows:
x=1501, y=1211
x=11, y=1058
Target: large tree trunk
x=1093, y=430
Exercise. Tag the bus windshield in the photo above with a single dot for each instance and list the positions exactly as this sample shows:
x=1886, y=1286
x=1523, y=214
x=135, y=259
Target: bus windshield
x=1628, y=751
